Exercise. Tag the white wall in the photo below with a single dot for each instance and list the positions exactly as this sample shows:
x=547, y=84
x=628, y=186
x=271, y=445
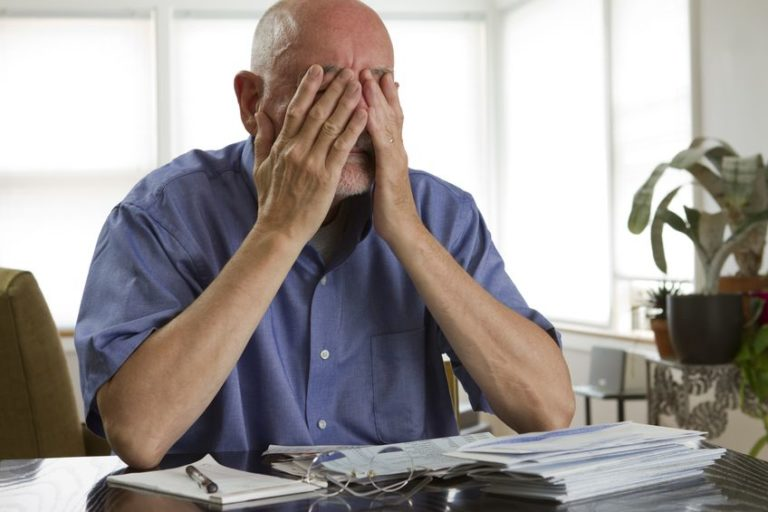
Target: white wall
x=730, y=43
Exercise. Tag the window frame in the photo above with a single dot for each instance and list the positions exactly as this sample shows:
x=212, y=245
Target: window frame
x=163, y=13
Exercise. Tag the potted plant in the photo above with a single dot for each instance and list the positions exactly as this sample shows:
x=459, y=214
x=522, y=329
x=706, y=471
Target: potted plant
x=706, y=326
x=752, y=361
x=657, y=313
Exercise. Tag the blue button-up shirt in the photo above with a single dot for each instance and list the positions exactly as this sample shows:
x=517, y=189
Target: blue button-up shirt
x=346, y=353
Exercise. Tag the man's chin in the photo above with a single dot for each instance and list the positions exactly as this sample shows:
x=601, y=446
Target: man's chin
x=356, y=178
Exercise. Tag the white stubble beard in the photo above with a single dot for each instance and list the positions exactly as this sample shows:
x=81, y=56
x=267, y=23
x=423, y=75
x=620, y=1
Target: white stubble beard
x=356, y=175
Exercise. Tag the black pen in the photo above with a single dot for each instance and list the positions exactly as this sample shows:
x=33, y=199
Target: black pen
x=202, y=480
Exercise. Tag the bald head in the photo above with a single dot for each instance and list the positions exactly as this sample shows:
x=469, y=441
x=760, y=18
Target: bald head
x=291, y=26
x=292, y=36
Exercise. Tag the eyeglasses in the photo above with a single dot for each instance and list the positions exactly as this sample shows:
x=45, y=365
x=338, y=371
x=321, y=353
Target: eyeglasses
x=389, y=470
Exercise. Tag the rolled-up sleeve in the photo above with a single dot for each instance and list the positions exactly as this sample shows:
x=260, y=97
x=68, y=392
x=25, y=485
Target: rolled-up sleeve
x=140, y=278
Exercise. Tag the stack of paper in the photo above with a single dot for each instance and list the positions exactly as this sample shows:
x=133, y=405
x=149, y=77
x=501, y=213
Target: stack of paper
x=584, y=462
x=384, y=463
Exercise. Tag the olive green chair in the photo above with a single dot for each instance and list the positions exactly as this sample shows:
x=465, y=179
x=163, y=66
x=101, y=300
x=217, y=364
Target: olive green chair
x=38, y=415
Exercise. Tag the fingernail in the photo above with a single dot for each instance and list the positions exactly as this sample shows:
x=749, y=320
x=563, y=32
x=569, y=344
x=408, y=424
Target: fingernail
x=314, y=71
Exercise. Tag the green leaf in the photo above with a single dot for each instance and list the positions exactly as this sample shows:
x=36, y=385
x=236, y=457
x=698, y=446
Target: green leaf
x=700, y=148
x=755, y=307
x=754, y=218
x=710, y=231
x=692, y=215
x=664, y=216
x=641, y=203
x=718, y=152
x=744, y=355
x=760, y=345
x=739, y=175
x=675, y=221
x=760, y=386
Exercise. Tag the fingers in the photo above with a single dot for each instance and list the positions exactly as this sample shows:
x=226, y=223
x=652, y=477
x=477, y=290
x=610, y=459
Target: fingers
x=385, y=118
x=265, y=137
x=385, y=89
x=343, y=144
x=389, y=88
x=319, y=118
x=302, y=100
x=334, y=126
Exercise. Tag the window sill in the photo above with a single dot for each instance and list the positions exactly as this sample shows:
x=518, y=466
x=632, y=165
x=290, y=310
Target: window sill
x=582, y=339
x=631, y=336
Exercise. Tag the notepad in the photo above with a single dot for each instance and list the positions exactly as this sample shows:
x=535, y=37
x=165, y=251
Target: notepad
x=234, y=485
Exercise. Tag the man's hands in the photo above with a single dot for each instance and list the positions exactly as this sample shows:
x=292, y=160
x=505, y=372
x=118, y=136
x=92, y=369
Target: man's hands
x=393, y=205
x=297, y=174
x=297, y=171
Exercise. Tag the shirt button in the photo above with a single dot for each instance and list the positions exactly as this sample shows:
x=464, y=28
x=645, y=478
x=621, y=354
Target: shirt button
x=321, y=424
x=324, y=354
x=323, y=280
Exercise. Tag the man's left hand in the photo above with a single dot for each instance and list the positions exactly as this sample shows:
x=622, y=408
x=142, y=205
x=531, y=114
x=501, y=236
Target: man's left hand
x=393, y=205
x=516, y=364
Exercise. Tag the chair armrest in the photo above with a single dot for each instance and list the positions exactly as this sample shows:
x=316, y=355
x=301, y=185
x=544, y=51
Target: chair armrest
x=94, y=445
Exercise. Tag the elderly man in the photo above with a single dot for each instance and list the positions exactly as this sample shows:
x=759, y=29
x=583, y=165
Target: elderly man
x=301, y=286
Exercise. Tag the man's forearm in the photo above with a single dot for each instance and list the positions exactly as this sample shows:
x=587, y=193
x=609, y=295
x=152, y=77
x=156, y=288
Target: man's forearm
x=515, y=362
x=164, y=387
x=169, y=381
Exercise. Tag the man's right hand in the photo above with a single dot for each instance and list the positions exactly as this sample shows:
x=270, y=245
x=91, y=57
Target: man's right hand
x=145, y=412
x=297, y=174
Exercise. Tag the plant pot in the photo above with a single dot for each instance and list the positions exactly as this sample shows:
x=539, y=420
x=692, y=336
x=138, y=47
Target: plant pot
x=741, y=284
x=661, y=337
x=705, y=329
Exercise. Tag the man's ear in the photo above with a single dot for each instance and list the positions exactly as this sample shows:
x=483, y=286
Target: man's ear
x=249, y=89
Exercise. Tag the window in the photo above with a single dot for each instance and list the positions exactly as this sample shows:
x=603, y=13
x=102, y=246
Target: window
x=440, y=65
x=651, y=123
x=76, y=130
x=593, y=100
x=208, y=55
x=555, y=158
x=585, y=100
x=76, y=95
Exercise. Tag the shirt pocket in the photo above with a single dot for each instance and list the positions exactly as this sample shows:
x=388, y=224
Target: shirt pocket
x=399, y=386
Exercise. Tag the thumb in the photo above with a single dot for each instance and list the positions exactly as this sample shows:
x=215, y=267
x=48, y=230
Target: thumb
x=265, y=137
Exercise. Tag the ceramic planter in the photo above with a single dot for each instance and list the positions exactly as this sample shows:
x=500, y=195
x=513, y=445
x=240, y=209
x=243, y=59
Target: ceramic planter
x=705, y=329
x=660, y=328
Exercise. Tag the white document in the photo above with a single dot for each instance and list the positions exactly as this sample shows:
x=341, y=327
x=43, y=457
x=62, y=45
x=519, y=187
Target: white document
x=583, y=462
x=303, y=451
x=510, y=459
x=580, y=438
x=234, y=485
x=565, y=494
x=423, y=456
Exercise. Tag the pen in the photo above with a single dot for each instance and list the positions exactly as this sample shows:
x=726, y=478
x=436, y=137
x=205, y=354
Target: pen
x=201, y=479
